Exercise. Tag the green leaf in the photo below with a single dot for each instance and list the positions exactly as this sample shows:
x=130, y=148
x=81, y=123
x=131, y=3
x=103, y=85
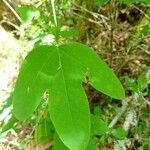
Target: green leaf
x=142, y=82
x=70, y=33
x=59, y=145
x=44, y=131
x=119, y=133
x=144, y=30
x=101, y=2
x=27, y=13
x=98, y=126
x=97, y=111
x=33, y=80
x=131, y=83
x=61, y=70
x=10, y=124
x=100, y=75
x=135, y=1
x=92, y=145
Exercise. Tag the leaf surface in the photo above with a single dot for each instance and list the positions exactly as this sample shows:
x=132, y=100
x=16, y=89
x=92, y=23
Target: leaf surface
x=100, y=75
x=68, y=105
x=33, y=80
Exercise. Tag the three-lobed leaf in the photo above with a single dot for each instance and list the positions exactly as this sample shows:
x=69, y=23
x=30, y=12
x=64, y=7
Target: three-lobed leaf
x=61, y=70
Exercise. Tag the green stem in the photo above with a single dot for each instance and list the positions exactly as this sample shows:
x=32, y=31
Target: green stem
x=54, y=11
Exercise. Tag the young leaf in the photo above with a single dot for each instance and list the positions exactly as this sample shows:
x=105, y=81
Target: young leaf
x=101, y=2
x=97, y=111
x=131, y=83
x=69, y=110
x=142, y=82
x=62, y=70
x=27, y=13
x=44, y=131
x=98, y=126
x=119, y=133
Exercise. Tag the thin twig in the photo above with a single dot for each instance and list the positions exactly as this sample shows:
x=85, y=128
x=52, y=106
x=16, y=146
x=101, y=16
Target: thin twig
x=117, y=117
x=12, y=9
x=88, y=19
x=101, y=18
x=54, y=11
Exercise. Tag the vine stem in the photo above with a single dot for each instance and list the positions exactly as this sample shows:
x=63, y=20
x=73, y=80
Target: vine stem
x=54, y=11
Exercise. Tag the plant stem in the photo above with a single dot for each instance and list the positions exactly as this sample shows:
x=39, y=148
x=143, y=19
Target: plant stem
x=54, y=11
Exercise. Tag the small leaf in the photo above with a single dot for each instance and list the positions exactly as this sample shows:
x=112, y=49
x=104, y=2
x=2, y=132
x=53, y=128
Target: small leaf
x=97, y=111
x=56, y=32
x=61, y=70
x=131, y=83
x=44, y=131
x=119, y=133
x=70, y=33
x=101, y=2
x=142, y=82
x=98, y=126
x=27, y=13
x=145, y=30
